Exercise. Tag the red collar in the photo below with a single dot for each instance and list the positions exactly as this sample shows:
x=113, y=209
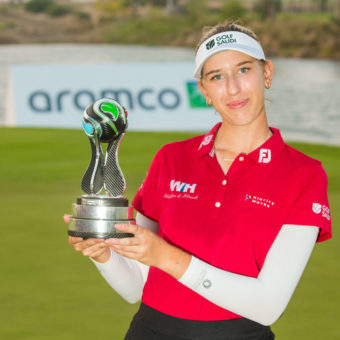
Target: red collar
x=263, y=154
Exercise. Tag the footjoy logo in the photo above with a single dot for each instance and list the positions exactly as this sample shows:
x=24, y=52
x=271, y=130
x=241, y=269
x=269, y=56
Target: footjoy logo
x=265, y=156
x=182, y=187
x=209, y=45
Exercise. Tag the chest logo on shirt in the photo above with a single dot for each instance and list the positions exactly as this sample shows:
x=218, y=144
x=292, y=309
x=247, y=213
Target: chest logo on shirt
x=182, y=187
x=181, y=190
x=259, y=201
x=265, y=156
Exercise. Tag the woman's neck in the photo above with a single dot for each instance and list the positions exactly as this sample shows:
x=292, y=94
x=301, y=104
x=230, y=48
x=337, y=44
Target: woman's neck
x=241, y=139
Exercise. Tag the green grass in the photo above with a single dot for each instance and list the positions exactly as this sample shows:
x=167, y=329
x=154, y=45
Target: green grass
x=48, y=291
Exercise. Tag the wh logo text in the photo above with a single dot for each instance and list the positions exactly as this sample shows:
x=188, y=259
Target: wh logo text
x=182, y=187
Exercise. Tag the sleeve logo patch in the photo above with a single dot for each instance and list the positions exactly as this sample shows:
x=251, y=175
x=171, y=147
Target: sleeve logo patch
x=321, y=209
x=317, y=208
x=207, y=283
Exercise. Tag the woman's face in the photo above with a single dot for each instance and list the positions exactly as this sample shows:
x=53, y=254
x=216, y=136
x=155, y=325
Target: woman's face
x=234, y=83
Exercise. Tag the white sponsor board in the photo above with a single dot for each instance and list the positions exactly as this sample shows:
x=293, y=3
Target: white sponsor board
x=157, y=96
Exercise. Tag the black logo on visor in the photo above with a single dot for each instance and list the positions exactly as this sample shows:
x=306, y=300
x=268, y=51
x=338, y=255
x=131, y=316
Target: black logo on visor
x=210, y=44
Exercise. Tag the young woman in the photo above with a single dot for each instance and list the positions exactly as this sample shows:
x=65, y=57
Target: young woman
x=226, y=222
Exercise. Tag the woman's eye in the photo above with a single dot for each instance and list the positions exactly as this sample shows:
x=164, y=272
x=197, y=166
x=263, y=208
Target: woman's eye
x=244, y=69
x=217, y=77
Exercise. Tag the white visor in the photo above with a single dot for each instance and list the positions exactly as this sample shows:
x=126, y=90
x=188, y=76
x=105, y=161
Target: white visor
x=230, y=40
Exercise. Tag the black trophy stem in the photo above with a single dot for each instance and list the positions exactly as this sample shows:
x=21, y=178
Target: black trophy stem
x=114, y=181
x=93, y=179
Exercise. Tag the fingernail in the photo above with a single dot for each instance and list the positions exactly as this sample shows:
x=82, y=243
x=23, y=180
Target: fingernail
x=120, y=226
x=66, y=218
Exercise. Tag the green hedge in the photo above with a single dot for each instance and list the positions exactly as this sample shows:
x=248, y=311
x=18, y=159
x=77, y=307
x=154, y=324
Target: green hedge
x=37, y=6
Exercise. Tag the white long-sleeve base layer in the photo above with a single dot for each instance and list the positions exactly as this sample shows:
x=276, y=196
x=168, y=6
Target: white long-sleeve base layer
x=262, y=299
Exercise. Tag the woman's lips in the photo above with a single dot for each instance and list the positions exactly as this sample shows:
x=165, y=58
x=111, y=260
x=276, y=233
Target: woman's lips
x=238, y=104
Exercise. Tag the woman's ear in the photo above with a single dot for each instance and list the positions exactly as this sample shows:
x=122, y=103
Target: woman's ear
x=268, y=73
x=205, y=93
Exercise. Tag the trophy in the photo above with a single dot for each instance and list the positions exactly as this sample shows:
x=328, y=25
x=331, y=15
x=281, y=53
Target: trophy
x=95, y=215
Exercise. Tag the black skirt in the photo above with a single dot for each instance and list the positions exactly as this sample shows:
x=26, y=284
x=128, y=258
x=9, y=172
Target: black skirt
x=150, y=324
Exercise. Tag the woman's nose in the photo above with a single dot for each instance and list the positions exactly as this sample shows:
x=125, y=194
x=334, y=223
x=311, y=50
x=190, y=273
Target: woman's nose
x=232, y=85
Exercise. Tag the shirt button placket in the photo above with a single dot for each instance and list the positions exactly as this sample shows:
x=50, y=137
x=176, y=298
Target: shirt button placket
x=220, y=196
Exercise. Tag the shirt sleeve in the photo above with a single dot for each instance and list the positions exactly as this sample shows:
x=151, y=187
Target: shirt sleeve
x=262, y=299
x=311, y=204
x=126, y=276
x=147, y=200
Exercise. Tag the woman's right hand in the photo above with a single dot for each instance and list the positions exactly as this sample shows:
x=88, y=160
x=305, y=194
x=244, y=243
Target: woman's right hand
x=95, y=248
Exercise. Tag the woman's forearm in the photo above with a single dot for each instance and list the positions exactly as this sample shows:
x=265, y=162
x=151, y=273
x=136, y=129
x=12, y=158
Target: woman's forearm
x=262, y=299
x=127, y=277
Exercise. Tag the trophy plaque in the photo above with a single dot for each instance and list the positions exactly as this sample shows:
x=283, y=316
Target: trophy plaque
x=95, y=215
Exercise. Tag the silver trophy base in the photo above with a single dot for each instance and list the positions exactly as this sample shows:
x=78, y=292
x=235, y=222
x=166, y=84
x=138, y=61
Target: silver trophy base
x=96, y=217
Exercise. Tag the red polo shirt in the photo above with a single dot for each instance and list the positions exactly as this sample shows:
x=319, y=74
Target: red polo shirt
x=229, y=221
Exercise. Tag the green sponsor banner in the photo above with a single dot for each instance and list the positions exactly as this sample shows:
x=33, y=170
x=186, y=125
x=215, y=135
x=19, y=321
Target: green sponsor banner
x=196, y=98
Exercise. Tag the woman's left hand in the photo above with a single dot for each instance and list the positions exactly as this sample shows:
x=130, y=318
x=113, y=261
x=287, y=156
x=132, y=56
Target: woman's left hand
x=150, y=249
